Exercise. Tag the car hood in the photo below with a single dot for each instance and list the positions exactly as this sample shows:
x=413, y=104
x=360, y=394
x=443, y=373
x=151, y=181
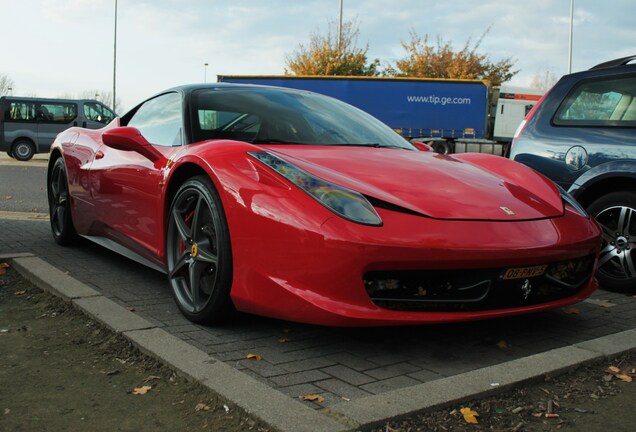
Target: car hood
x=434, y=185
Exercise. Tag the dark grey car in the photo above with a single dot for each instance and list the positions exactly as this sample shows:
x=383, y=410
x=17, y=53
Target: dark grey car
x=582, y=135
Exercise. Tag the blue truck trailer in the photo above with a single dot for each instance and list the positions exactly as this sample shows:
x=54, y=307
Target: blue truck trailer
x=450, y=115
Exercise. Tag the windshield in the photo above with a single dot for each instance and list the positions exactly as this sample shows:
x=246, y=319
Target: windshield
x=276, y=115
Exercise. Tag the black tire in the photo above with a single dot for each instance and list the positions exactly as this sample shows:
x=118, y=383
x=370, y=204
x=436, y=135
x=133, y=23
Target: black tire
x=23, y=150
x=616, y=213
x=442, y=147
x=199, y=253
x=10, y=155
x=60, y=205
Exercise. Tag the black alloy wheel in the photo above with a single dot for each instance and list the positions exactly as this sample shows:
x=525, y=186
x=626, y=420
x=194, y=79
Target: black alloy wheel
x=23, y=150
x=60, y=206
x=199, y=254
x=616, y=214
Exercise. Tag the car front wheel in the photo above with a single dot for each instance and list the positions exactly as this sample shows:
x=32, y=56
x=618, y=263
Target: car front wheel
x=60, y=205
x=616, y=213
x=198, y=253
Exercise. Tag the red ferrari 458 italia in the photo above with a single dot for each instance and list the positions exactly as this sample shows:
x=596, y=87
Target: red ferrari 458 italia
x=297, y=206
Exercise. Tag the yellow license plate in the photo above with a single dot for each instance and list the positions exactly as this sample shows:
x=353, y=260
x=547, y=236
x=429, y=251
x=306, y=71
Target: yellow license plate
x=524, y=272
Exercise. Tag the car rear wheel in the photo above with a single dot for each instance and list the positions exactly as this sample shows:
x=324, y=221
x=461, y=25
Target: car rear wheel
x=616, y=213
x=23, y=150
x=59, y=205
x=198, y=253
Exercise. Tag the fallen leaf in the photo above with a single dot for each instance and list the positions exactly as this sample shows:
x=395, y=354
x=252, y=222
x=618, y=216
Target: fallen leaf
x=613, y=370
x=19, y=293
x=254, y=357
x=314, y=398
x=3, y=268
x=7, y=411
x=110, y=372
x=572, y=311
x=624, y=377
x=469, y=415
x=141, y=390
x=201, y=407
x=283, y=340
x=502, y=344
x=551, y=415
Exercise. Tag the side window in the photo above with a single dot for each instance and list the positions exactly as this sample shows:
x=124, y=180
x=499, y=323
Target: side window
x=21, y=111
x=56, y=113
x=160, y=120
x=610, y=102
x=98, y=112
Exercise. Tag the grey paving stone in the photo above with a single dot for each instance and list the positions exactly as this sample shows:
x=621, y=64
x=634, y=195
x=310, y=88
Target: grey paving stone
x=390, y=384
x=299, y=378
x=392, y=371
x=348, y=375
x=352, y=361
x=308, y=364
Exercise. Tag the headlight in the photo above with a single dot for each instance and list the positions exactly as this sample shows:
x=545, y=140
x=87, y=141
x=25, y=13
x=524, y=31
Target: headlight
x=342, y=201
x=567, y=198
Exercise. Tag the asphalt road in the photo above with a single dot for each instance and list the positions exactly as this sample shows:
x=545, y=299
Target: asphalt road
x=23, y=185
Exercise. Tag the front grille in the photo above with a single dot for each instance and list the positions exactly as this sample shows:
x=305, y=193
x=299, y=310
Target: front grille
x=467, y=290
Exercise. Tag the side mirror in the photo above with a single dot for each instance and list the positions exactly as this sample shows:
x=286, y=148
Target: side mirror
x=422, y=147
x=130, y=139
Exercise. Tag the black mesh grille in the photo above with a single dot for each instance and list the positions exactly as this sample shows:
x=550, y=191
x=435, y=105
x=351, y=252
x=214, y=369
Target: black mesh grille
x=477, y=289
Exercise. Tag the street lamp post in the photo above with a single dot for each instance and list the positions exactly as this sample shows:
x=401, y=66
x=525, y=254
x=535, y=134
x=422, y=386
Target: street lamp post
x=570, y=44
x=340, y=26
x=115, y=59
x=205, y=73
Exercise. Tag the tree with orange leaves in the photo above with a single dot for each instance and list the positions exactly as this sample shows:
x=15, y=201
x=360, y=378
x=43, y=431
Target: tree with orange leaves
x=426, y=60
x=325, y=56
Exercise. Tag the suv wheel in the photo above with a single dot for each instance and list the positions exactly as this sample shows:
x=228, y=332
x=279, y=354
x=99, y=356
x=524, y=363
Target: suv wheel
x=616, y=213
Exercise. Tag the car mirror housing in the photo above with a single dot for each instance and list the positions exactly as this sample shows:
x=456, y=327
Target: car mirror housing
x=422, y=147
x=130, y=139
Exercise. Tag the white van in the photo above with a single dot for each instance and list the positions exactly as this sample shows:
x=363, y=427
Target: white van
x=29, y=125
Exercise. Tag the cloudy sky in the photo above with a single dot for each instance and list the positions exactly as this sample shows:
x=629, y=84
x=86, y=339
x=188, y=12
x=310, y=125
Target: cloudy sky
x=63, y=47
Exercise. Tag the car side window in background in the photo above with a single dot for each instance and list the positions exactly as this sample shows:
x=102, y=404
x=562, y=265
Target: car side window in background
x=21, y=111
x=62, y=113
x=610, y=102
x=159, y=120
x=98, y=112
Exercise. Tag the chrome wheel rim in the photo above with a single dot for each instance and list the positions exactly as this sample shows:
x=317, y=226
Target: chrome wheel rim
x=193, y=252
x=619, y=241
